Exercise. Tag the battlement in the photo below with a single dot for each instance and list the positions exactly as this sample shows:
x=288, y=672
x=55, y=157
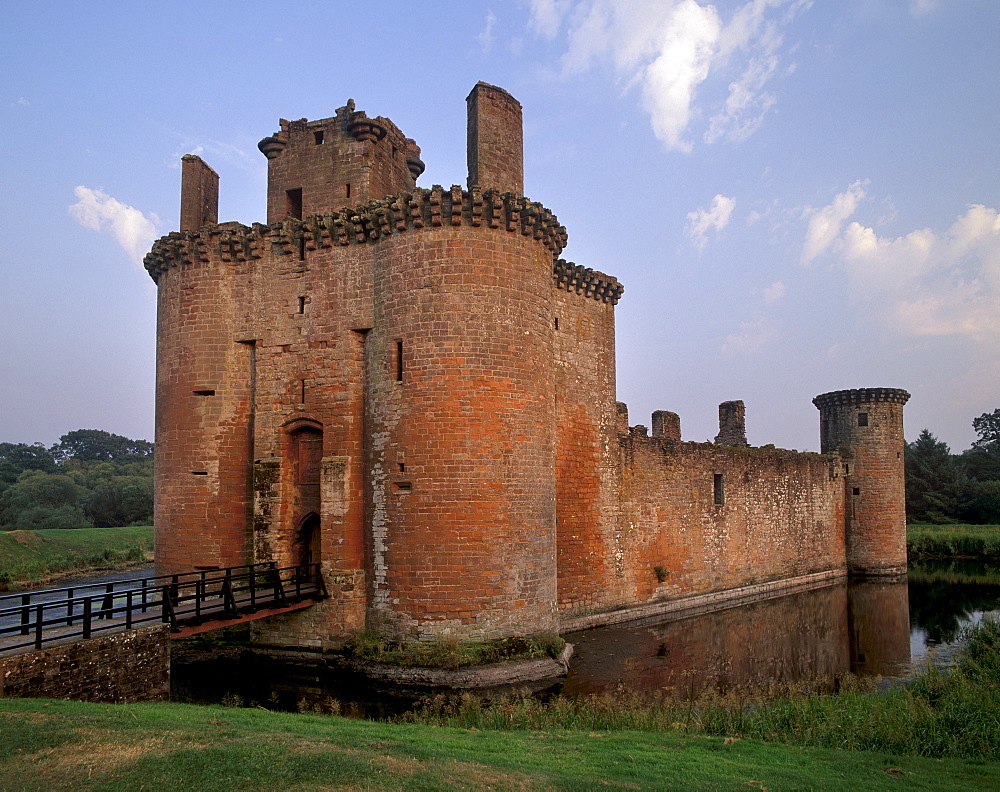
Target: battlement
x=584, y=280
x=847, y=398
x=368, y=223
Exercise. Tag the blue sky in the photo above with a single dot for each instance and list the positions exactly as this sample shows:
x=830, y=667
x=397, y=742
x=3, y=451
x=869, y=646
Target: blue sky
x=799, y=196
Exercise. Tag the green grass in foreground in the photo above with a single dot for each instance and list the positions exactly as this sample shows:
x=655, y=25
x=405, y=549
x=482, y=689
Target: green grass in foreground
x=973, y=541
x=940, y=714
x=72, y=745
x=31, y=556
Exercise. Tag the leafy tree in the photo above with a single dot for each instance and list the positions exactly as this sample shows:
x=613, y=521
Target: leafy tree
x=18, y=457
x=96, y=444
x=982, y=461
x=44, y=500
x=935, y=488
x=89, y=477
x=987, y=426
x=122, y=500
x=982, y=503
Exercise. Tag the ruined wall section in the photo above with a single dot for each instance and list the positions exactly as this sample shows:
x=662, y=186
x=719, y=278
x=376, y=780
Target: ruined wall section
x=865, y=426
x=461, y=421
x=583, y=304
x=697, y=518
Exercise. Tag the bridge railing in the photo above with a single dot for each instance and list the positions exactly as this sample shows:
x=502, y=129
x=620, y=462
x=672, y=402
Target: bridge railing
x=33, y=618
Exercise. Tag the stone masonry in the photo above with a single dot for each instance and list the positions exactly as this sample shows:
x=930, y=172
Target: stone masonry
x=411, y=387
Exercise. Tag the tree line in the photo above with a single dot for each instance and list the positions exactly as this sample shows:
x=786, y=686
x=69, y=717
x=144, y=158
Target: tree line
x=90, y=478
x=942, y=487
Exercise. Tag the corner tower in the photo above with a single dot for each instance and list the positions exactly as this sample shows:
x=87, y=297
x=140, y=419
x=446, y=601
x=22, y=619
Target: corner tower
x=865, y=426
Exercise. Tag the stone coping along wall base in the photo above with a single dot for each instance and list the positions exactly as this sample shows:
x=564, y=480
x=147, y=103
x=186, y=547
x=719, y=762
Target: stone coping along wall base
x=705, y=603
x=495, y=675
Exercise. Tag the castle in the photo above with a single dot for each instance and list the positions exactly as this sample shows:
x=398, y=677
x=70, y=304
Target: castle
x=411, y=387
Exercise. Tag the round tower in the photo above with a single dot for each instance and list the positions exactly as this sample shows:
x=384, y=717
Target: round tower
x=865, y=426
x=460, y=415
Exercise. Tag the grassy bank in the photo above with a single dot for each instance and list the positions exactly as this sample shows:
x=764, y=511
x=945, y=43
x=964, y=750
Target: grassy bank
x=34, y=556
x=941, y=734
x=941, y=714
x=70, y=745
x=943, y=541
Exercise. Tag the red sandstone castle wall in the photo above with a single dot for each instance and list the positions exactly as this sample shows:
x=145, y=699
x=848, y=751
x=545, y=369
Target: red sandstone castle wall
x=866, y=427
x=780, y=518
x=461, y=453
x=334, y=162
x=203, y=407
x=586, y=448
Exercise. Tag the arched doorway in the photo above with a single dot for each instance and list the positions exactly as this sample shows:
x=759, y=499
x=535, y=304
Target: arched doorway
x=302, y=482
x=306, y=549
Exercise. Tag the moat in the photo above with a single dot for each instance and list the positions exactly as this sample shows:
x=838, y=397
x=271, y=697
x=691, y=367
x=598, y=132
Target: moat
x=861, y=627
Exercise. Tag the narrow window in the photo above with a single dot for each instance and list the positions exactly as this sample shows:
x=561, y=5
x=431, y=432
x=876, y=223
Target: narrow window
x=293, y=203
x=847, y=470
x=302, y=305
x=402, y=486
x=204, y=393
x=857, y=491
x=394, y=152
x=199, y=472
x=318, y=134
x=302, y=391
x=347, y=190
x=862, y=419
x=557, y=323
x=720, y=490
x=402, y=467
x=399, y=361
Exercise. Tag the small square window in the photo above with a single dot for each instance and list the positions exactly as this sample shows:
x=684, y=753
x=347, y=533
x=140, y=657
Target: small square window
x=862, y=419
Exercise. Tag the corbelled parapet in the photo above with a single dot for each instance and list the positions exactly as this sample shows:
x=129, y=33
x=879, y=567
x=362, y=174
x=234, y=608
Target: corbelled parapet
x=583, y=280
x=367, y=223
x=847, y=398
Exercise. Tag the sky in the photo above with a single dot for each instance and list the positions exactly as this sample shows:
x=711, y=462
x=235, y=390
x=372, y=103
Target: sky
x=799, y=196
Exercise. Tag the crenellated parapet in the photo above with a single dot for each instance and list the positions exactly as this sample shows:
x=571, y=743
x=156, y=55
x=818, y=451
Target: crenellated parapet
x=586, y=281
x=375, y=220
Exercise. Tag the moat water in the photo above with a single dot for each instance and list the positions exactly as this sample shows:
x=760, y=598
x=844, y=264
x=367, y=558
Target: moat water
x=866, y=628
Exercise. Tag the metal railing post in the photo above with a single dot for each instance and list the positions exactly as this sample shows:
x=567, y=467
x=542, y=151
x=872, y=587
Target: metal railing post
x=25, y=613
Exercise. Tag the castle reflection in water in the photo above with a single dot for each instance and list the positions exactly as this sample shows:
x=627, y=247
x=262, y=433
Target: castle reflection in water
x=861, y=627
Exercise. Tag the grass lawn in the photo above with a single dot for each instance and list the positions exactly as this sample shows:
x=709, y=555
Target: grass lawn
x=31, y=556
x=48, y=745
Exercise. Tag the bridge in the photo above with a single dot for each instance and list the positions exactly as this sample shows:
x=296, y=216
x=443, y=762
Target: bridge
x=190, y=603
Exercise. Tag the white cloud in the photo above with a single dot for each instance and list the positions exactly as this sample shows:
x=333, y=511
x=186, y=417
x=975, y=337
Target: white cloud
x=825, y=223
x=21, y=102
x=752, y=337
x=486, y=38
x=931, y=283
x=547, y=16
x=669, y=48
x=716, y=216
x=922, y=7
x=133, y=230
x=774, y=293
